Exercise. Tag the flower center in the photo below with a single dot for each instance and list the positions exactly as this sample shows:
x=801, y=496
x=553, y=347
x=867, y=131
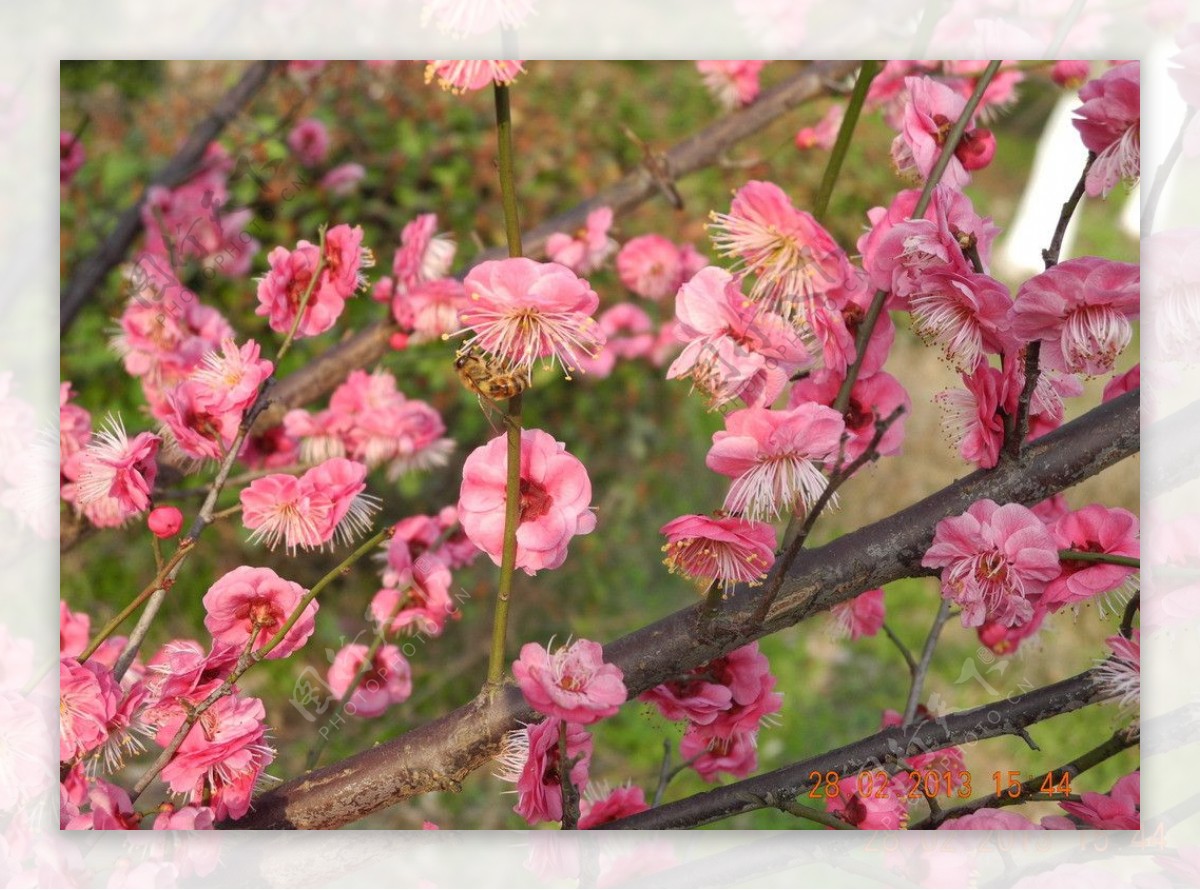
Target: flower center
x=570, y=683
x=535, y=500
x=991, y=568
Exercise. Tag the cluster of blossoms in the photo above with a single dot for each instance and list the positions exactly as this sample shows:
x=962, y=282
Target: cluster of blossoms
x=1118, y=810
x=425, y=300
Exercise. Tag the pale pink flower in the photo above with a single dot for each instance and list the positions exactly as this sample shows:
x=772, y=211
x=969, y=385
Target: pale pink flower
x=110, y=809
x=281, y=509
x=1109, y=123
x=879, y=812
x=343, y=179
x=1070, y=73
x=342, y=482
x=872, y=399
x=1004, y=639
x=221, y=757
x=574, y=683
x=995, y=560
x=627, y=331
x=228, y=383
x=70, y=156
x=1093, y=529
x=462, y=76
x=966, y=315
x=1080, y=310
x=990, y=820
x=555, y=500
x=735, y=348
x=432, y=309
x=1123, y=383
x=651, y=266
x=861, y=616
x=1119, y=810
x=590, y=246
x=521, y=310
x=626, y=800
x=87, y=701
x=424, y=254
x=251, y=602
x=929, y=114
x=772, y=457
x=186, y=818
x=531, y=759
x=790, y=255
x=73, y=630
x=114, y=467
x=309, y=141
x=732, y=82
x=387, y=682
x=725, y=549
x=735, y=755
x=824, y=133
x=419, y=599
x=1121, y=675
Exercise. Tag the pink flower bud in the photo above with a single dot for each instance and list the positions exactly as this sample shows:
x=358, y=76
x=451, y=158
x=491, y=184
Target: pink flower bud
x=165, y=522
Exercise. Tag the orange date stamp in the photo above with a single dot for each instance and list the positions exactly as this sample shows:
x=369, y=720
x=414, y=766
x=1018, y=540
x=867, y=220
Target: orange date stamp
x=915, y=784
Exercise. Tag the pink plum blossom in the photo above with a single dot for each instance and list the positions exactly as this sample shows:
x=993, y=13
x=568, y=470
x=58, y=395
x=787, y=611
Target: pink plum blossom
x=418, y=600
x=228, y=382
x=1118, y=810
x=1121, y=675
x=555, y=497
x=74, y=424
x=835, y=319
x=424, y=254
x=343, y=179
x=628, y=335
x=872, y=399
x=725, y=549
x=281, y=509
x=735, y=755
x=880, y=812
x=114, y=467
x=1080, y=310
x=966, y=315
x=772, y=457
x=930, y=112
x=87, y=701
x=1092, y=529
x=431, y=310
x=255, y=603
x=1070, y=73
x=1109, y=123
x=995, y=560
x=290, y=277
x=824, y=133
x=589, y=248
x=109, y=809
x=733, y=83
x=573, y=683
x=861, y=616
x=531, y=759
x=626, y=800
x=387, y=681
x=70, y=156
x=461, y=76
x=309, y=141
x=1004, y=639
x=186, y=818
x=73, y=629
x=651, y=266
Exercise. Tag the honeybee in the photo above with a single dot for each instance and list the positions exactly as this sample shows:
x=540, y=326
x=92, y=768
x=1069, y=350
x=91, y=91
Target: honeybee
x=489, y=377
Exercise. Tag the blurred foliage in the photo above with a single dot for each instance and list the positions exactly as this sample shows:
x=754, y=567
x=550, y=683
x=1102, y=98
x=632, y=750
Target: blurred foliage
x=642, y=438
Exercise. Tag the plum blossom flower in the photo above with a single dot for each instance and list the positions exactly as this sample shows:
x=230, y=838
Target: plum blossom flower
x=424, y=254
x=967, y=315
x=1070, y=73
x=1119, y=810
x=1109, y=123
x=628, y=335
x=461, y=76
x=418, y=600
x=790, y=255
x=186, y=818
x=732, y=82
x=309, y=141
x=115, y=468
x=70, y=156
x=1080, y=310
x=87, y=702
x=165, y=522
x=110, y=808
x=1121, y=674
x=573, y=683
x=735, y=348
x=735, y=755
x=824, y=133
x=995, y=560
x=724, y=549
x=73, y=630
x=228, y=382
x=1004, y=639
x=973, y=417
x=327, y=502
x=651, y=266
x=929, y=114
x=555, y=495
x=290, y=277
x=881, y=812
x=589, y=248
x=255, y=603
x=521, y=310
x=861, y=616
x=342, y=179
x=1093, y=529
x=387, y=681
x=872, y=399
x=772, y=457
x=531, y=758
x=626, y=800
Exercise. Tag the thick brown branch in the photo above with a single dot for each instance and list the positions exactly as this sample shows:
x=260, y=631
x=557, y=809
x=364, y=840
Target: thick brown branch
x=440, y=754
x=90, y=273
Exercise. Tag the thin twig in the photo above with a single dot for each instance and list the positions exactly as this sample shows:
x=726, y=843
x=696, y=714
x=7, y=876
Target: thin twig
x=814, y=815
x=570, y=794
x=904, y=650
x=918, y=681
x=1131, y=608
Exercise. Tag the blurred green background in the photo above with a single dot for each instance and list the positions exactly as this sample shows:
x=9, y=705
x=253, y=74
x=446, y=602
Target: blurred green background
x=642, y=438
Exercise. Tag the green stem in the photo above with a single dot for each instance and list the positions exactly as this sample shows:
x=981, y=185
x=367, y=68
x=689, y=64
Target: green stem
x=841, y=145
x=508, y=192
x=508, y=553
x=1113, y=558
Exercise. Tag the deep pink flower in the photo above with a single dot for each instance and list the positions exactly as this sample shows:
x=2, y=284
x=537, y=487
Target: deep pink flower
x=388, y=681
x=342, y=179
x=165, y=522
x=531, y=759
x=1119, y=810
x=187, y=818
x=110, y=809
x=181, y=675
x=835, y=320
x=424, y=254
x=589, y=248
x=772, y=457
x=461, y=76
x=1123, y=383
x=521, y=310
x=1080, y=310
x=112, y=466
x=929, y=114
x=887, y=811
x=251, y=602
x=1004, y=639
x=555, y=500
x=573, y=683
x=990, y=820
x=73, y=630
x=735, y=348
x=724, y=549
x=309, y=141
x=973, y=417
x=861, y=616
x=790, y=255
x=966, y=315
x=1109, y=122
x=199, y=431
x=995, y=560
x=221, y=757
x=651, y=266
x=735, y=755
x=1093, y=529
x=419, y=599
x=732, y=82
x=1121, y=675
x=87, y=701
x=70, y=156
x=872, y=399
x=617, y=804
x=228, y=382
x=824, y=133
x=282, y=289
